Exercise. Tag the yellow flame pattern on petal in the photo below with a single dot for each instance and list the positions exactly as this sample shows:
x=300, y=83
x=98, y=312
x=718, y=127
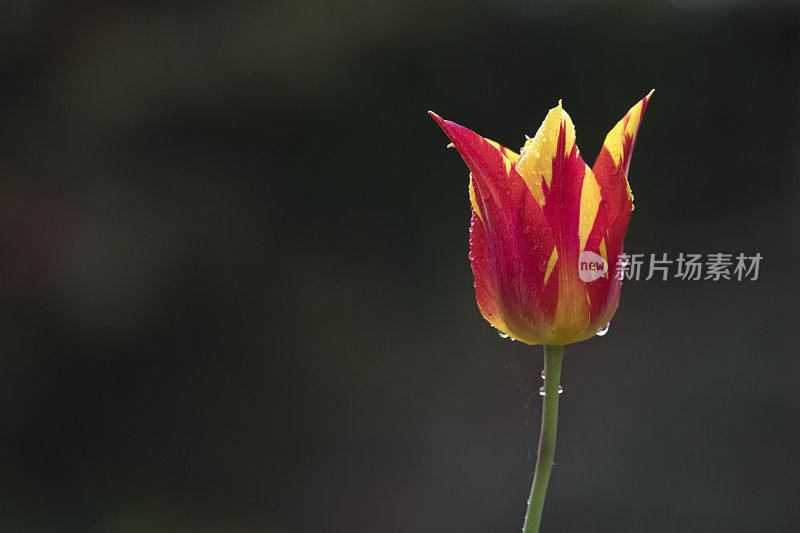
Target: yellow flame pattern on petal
x=625, y=129
x=472, y=198
x=604, y=255
x=535, y=164
x=590, y=203
x=551, y=264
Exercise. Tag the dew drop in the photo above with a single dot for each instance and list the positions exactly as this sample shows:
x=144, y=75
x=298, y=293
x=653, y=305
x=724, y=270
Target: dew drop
x=542, y=392
x=502, y=334
x=604, y=330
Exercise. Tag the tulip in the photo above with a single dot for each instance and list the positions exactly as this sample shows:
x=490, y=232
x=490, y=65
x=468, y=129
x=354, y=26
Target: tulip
x=535, y=215
x=546, y=238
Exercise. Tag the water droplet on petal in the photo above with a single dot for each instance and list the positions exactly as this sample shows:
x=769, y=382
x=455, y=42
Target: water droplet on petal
x=502, y=334
x=604, y=330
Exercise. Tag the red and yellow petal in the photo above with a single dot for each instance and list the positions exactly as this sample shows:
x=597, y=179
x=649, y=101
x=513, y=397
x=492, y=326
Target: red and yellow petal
x=510, y=242
x=552, y=168
x=608, y=230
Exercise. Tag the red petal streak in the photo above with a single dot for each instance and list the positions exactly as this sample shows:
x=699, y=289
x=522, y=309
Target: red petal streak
x=562, y=210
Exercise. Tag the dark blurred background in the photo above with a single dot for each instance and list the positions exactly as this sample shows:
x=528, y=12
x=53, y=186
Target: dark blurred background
x=234, y=286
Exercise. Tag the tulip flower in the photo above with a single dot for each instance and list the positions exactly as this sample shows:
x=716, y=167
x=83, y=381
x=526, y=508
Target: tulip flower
x=546, y=238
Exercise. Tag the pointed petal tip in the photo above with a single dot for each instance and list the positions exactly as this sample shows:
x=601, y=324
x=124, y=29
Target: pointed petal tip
x=435, y=117
x=453, y=130
x=439, y=120
x=646, y=100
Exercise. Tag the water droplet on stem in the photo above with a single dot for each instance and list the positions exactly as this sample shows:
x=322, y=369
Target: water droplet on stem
x=542, y=392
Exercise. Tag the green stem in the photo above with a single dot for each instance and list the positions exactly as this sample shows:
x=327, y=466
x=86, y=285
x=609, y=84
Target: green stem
x=547, y=438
